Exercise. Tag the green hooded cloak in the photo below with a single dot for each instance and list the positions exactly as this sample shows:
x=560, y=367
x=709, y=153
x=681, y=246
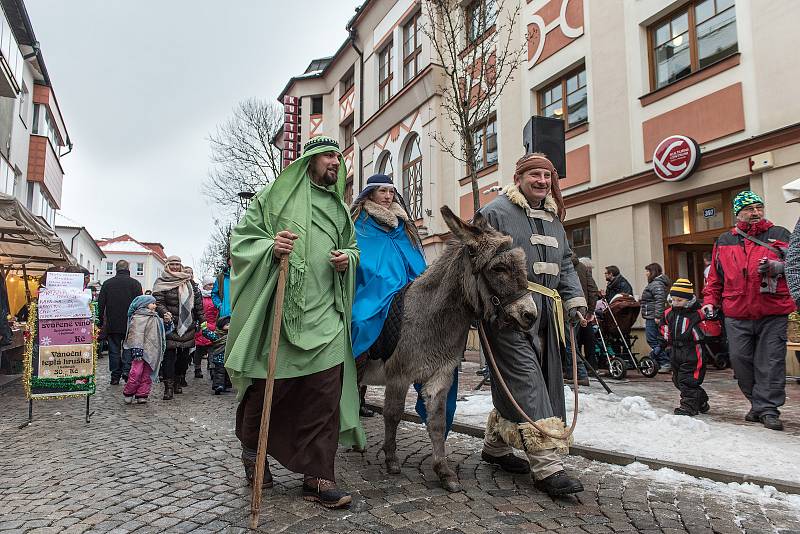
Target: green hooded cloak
x=309, y=342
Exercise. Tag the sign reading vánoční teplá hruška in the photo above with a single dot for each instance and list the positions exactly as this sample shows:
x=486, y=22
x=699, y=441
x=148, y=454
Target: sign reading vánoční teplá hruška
x=60, y=350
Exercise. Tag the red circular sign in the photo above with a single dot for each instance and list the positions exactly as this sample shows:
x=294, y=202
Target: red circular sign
x=676, y=158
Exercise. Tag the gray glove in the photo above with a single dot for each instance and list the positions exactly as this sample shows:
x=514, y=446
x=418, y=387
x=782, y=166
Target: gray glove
x=771, y=268
x=576, y=315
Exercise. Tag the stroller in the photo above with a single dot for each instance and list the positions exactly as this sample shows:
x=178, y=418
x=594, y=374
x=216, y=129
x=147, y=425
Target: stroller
x=613, y=331
x=715, y=342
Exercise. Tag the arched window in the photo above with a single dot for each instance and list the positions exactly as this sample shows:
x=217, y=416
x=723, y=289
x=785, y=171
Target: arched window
x=412, y=176
x=384, y=165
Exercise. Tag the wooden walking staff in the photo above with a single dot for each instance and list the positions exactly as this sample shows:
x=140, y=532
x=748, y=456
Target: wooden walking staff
x=263, y=432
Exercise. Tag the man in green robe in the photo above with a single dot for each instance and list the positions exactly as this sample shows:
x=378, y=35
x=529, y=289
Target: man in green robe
x=315, y=400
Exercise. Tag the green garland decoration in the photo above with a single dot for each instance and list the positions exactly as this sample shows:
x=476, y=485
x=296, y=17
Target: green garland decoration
x=67, y=384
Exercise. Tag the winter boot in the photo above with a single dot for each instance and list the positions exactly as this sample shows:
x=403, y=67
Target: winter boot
x=751, y=417
x=559, y=483
x=249, y=463
x=771, y=421
x=326, y=493
x=141, y=400
x=198, y=372
x=181, y=380
x=508, y=463
x=168, y=389
x=705, y=407
x=128, y=400
x=683, y=411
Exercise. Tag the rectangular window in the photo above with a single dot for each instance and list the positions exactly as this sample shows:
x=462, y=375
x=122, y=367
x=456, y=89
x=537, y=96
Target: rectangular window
x=695, y=36
x=579, y=237
x=480, y=15
x=571, y=88
x=411, y=48
x=347, y=134
x=316, y=105
x=485, y=139
x=385, y=74
x=109, y=267
x=347, y=82
x=140, y=269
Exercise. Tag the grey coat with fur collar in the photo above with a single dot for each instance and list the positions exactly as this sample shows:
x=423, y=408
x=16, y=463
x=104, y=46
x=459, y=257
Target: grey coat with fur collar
x=531, y=363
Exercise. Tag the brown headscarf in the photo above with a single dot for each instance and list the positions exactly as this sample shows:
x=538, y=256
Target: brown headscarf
x=537, y=160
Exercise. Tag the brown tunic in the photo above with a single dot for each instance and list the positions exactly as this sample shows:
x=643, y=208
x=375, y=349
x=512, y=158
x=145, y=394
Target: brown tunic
x=304, y=423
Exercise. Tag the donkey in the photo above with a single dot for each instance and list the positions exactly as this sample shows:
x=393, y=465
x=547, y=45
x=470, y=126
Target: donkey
x=480, y=275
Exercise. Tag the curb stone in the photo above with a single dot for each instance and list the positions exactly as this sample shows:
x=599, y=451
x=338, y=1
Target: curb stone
x=621, y=458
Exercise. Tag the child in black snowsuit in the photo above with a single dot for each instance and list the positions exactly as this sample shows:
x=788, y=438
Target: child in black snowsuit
x=220, y=381
x=682, y=331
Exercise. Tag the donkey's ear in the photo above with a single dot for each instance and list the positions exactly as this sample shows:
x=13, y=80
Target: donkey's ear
x=481, y=222
x=464, y=232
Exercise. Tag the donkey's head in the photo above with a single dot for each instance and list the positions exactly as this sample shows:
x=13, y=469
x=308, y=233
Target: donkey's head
x=495, y=281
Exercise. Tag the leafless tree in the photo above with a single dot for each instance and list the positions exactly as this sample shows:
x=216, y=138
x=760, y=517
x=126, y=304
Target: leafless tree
x=215, y=255
x=242, y=156
x=478, y=50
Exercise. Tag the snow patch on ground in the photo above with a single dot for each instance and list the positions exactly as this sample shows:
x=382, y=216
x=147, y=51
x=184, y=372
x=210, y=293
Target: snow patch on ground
x=734, y=489
x=632, y=425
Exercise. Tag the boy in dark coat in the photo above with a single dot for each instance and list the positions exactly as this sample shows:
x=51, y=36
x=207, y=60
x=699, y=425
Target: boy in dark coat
x=682, y=331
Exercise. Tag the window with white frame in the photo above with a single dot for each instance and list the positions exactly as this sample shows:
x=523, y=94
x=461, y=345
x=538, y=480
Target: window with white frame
x=8, y=178
x=140, y=269
x=45, y=124
x=46, y=210
x=412, y=177
x=385, y=164
x=109, y=267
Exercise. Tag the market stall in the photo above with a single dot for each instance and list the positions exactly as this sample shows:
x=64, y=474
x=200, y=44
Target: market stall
x=28, y=247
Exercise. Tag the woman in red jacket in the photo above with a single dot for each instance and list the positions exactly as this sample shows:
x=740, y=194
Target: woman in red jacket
x=201, y=342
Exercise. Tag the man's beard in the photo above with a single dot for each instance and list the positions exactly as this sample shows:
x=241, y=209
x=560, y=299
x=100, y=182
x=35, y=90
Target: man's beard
x=328, y=177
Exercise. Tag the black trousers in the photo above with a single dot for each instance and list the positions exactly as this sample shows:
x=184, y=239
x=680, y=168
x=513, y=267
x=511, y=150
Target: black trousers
x=688, y=373
x=199, y=352
x=176, y=362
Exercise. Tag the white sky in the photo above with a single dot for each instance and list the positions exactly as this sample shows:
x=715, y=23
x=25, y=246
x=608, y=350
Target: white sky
x=142, y=83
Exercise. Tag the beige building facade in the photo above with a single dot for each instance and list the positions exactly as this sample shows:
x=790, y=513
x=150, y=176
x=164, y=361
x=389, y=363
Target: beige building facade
x=622, y=75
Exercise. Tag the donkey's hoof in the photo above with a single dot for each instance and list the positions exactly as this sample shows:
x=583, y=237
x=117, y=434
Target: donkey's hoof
x=393, y=467
x=452, y=485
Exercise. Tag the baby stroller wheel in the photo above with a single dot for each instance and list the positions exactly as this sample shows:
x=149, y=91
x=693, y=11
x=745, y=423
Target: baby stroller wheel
x=721, y=361
x=648, y=367
x=617, y=368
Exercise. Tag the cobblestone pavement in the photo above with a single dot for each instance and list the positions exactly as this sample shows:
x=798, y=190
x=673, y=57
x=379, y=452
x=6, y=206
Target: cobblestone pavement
x=173, y=467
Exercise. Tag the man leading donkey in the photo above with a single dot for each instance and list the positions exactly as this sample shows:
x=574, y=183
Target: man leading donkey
x=531, y=211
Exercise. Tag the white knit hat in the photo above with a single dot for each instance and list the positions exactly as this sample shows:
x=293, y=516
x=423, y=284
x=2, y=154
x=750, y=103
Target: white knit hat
x=208, y=279
x=791, y=191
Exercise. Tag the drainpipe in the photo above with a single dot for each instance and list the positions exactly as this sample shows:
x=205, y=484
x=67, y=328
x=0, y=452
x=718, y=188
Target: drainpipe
x=72, y=243
x=353, y=35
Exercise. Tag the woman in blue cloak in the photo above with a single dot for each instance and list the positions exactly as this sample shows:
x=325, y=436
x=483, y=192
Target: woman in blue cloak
x=391, y=257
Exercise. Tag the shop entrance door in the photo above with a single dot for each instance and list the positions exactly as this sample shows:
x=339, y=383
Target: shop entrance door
x=686, y=261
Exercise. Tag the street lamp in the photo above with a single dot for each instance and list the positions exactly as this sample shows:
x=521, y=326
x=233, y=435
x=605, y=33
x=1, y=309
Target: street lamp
x=245, y=197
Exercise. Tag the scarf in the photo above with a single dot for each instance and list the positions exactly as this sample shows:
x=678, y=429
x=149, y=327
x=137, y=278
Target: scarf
x=540, y=161
x=183, y=282
x=146, y=332
x=754, y=229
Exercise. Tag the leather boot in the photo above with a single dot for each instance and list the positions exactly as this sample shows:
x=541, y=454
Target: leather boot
x=168, y=389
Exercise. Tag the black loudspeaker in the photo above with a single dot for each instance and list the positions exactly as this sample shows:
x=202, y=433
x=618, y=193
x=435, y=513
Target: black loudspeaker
x=546, y=135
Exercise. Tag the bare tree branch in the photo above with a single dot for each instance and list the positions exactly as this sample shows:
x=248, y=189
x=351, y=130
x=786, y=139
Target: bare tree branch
x=242, y=156
x=477, y=69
